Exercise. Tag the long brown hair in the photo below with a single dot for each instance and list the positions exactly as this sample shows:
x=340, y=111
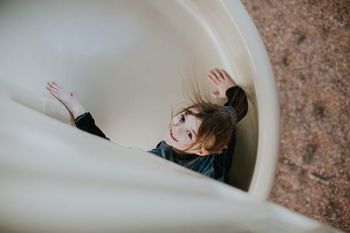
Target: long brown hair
x=218, y=122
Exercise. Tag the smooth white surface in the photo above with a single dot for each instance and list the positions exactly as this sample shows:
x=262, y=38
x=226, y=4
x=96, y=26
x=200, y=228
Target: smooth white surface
x=127, y=60
x=72, y=181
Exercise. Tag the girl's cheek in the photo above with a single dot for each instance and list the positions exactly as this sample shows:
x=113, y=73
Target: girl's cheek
x=174, y=120
x=184, y=142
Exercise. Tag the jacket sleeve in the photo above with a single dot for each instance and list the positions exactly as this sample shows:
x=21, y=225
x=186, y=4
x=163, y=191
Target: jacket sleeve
x=87, y=123
x=222, y=163
x=238, y=100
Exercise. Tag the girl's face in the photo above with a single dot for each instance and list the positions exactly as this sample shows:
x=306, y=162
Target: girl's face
x=182, y=132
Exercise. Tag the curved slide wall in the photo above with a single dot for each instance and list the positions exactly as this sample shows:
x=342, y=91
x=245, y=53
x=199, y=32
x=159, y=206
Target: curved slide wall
x=127, y=60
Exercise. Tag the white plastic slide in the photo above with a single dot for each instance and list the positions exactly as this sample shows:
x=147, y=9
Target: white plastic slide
x=127, y=61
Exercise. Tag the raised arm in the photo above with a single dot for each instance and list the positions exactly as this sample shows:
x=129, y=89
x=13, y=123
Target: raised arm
x=225, y=87
x=68, y=99
x=82, y=119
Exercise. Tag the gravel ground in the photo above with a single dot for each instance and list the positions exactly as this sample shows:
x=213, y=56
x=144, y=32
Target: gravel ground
x=308, y=42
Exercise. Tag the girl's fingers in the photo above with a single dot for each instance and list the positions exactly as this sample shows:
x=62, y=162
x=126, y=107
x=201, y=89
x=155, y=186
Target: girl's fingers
x=52, y=86
x=54, y=94
x=49, y=88
x=224, y=74
x=228, y=77
x=55, y=84
x=212, y=80
x=57, y=95
x=53, y=91
x=219, y=74
x=214, y=76
x=55, y=88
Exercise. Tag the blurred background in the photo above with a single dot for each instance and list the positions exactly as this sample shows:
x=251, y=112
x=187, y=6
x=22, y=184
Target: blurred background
x=308, y=42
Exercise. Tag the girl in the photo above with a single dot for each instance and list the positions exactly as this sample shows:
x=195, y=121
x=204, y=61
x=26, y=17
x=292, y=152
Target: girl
x=200, y=137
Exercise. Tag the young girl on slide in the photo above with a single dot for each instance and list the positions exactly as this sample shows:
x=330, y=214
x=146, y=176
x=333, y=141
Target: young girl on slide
x=200, y=137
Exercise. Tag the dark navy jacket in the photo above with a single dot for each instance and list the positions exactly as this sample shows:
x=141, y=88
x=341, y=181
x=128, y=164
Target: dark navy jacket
x=216, y=166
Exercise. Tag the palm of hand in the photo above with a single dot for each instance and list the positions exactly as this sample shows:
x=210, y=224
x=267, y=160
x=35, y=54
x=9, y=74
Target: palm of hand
x=68, y=99
x=221, y=81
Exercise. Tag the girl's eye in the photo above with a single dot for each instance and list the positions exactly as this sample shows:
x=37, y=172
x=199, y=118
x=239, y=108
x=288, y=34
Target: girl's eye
x=189, y=134
x=182, y=118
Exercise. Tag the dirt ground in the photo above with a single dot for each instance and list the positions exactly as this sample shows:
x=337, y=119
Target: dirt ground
x=308, y=42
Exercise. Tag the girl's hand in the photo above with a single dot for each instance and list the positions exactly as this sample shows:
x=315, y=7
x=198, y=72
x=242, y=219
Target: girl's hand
x=221, y=81
x=68, y=99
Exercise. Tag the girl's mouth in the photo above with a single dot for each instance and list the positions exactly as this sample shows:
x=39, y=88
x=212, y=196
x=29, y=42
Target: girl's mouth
x=171, y=134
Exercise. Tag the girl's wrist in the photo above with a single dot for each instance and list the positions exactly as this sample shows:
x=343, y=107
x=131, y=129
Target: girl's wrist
x=77, y=113
x=229, y=87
